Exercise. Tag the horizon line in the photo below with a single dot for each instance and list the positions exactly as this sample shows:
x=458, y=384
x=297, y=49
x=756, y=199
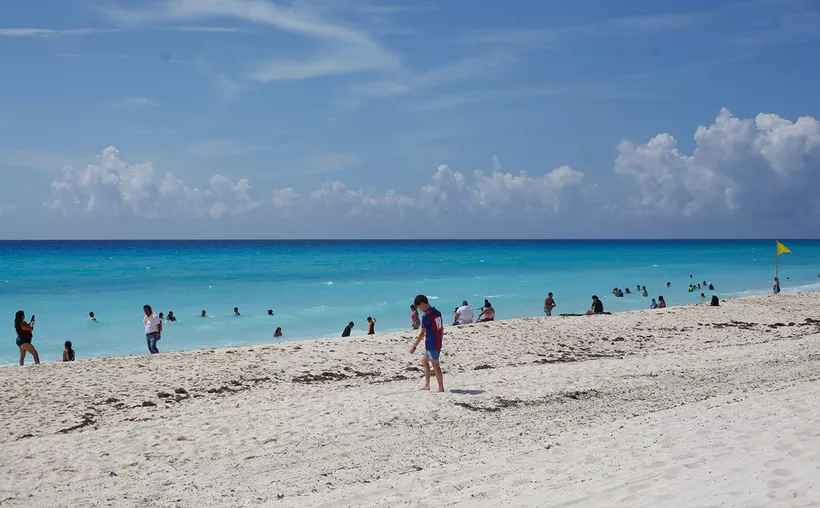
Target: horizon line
x=7, y=240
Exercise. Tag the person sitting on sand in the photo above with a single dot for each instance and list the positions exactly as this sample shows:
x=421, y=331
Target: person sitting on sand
x=25, y=333
x=91, y=316
x=715, y=301
x=236, y=311
x=487, y=314
x=776, y=287
x=371, y=325
x=278, y=332
x=661, y=303
x=653, y=305
x=414, y=317
x=549, y=304
x=644, y=292
x=68, y=353
x=433, y=334
x=597, y=306
x=171, y=318
x=464, y=314
x=203, y=314
x=270, y=312
x=347, y=330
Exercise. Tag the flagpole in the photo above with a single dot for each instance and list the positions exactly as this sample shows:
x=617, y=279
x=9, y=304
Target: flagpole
x=777, y=259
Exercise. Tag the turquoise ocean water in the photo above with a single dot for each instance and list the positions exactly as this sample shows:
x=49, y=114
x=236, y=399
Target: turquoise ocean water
x=316, y=287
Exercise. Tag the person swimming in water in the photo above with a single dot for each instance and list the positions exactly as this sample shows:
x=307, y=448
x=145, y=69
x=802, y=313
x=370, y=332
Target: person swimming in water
x=171, y=318
x=270, y=312
x=91, y=316
x=236, y=311
x=203, y=314
x=644, y=292
x=278, y=332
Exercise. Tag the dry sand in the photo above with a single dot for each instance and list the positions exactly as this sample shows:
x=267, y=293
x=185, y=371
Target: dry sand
x=690, y=406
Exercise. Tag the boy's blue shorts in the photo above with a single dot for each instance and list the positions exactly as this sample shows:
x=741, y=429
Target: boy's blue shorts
x=432, y=354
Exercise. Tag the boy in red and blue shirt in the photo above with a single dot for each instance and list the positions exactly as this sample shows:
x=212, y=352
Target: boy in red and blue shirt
x=432, y=331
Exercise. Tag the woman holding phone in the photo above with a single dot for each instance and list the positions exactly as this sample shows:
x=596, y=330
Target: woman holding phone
x=25, y=332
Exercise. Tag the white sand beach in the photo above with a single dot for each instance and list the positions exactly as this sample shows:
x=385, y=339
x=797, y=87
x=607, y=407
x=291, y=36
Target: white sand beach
x=691, y=406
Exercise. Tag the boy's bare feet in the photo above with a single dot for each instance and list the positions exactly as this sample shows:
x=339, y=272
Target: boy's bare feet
x=425, y=388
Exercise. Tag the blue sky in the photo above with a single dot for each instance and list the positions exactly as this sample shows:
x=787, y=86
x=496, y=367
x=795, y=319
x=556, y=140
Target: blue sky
x=345, y=119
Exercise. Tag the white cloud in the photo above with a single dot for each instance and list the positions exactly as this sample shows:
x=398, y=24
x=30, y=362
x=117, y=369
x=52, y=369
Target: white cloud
x=286, y=198
x=113, y=187
x=73, y=32
x=342, y=49
x=448, y=193
x=766, y=165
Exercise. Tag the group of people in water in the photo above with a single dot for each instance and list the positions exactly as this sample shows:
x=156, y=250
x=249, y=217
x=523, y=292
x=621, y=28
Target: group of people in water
x=461, y=316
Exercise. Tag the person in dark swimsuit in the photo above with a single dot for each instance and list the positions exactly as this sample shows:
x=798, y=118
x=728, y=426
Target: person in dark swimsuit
x=25, y=332
x=371, y=326
x=68, y=352
x=347, y=330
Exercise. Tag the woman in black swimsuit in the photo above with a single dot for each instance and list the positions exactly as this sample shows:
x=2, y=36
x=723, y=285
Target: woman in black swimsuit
x=24, y=335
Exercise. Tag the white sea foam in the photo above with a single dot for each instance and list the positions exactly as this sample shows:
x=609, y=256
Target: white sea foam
x=432, y=297
x=329, y=283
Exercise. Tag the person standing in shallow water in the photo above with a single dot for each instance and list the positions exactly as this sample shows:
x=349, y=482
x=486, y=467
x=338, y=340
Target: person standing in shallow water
x=25, y=333
x=414, y=317
x=153, y=329
x=549, y=304
x=776, y=286
x=371, y=325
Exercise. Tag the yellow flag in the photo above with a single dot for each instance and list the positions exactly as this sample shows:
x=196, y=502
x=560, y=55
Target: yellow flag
x=782, y=249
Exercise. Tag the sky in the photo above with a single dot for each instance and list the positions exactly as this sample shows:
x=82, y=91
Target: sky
x=155, y=119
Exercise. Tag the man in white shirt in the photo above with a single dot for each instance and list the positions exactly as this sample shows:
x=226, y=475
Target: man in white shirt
x=153, y=329
x=464, y=314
